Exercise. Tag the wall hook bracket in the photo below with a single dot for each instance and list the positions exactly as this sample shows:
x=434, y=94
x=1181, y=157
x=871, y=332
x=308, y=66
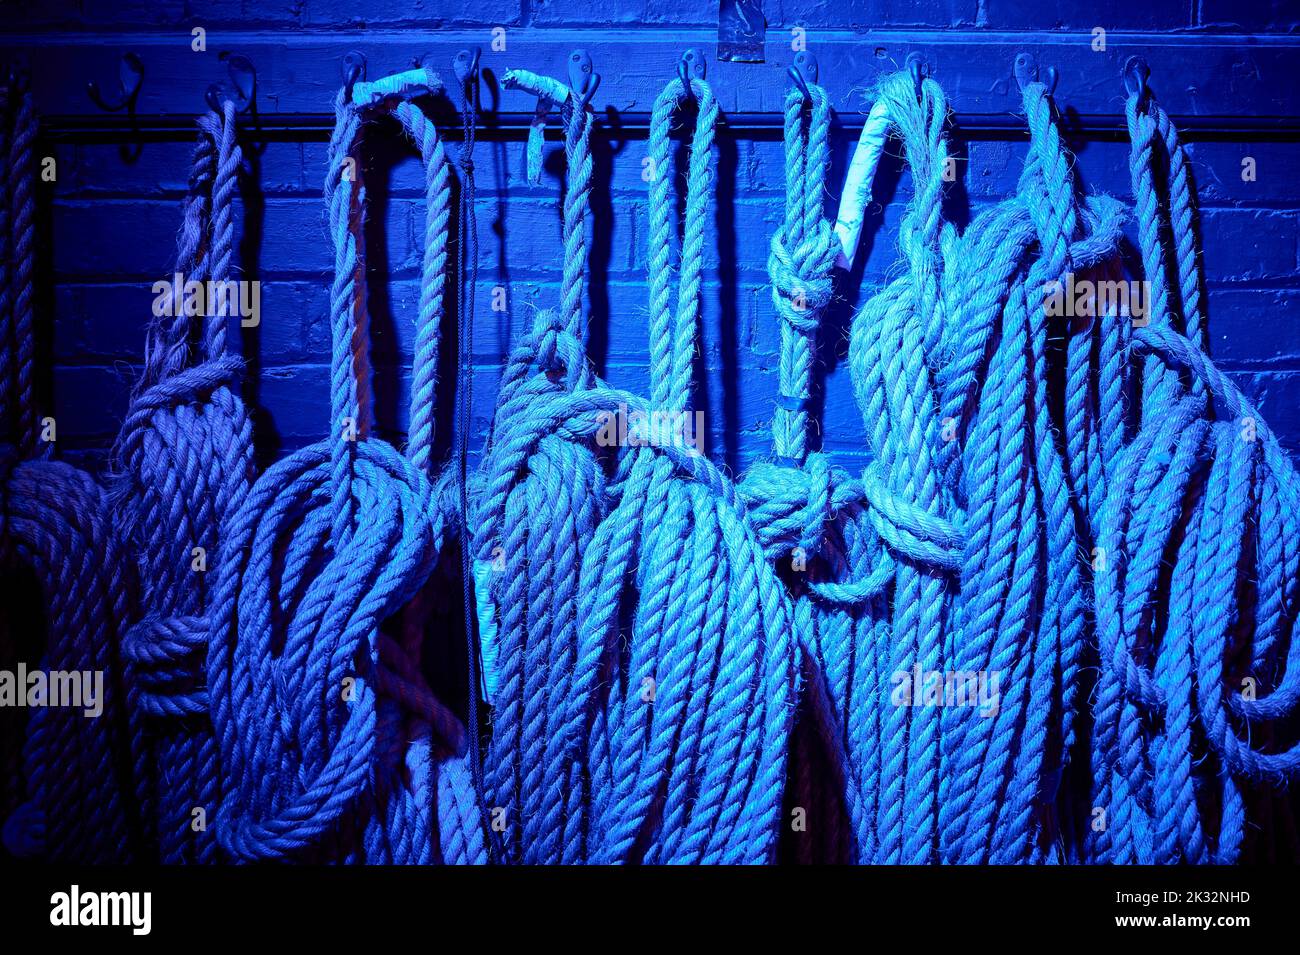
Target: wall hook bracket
x=130, y=75
x=690, y=67
x=465, y=65
x=243, y=79
x=354, y=70
x=583, y=79
x=804, y=72
x=1027, y=71
x=916, y=65
x=1136, y=73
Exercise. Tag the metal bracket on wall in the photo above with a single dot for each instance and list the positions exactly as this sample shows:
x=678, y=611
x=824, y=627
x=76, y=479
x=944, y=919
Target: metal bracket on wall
x=741, y=31
x=243, y=81
x=804, y=72
x=690, y=67
x=1026, y=72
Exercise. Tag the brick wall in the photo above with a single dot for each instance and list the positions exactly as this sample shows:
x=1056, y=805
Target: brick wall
x=111, y=222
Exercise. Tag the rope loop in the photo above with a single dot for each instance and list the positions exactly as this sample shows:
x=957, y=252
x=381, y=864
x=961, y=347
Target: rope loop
x=338, y=749
x=673, y=328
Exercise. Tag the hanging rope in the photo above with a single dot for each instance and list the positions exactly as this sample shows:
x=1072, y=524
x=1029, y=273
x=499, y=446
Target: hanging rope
x=1021, y=610
x=184, y=458
x=459, y=817
x=1195, y=616
x=314, y=703
x=806, y=511
x=893, y=348
x=692, y=719
x=54, y=523
x=538, y=515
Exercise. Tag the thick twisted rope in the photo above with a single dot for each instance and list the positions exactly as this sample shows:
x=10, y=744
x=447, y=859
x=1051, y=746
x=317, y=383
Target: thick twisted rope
x=1020, y=613
x=184, y=461
x=314, y=702
x=805, y=511
x=54, y=522
x=688, y=742
x=893, y=347
x=534, y=523
x=459, y=816
x=1195, y=617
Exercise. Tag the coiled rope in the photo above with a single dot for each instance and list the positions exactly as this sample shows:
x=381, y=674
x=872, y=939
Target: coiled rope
x=185, y=463
x=54, y=523
x=324, y=719
x=805, y=511
x=694, y=705
x=536, y=517
x=892, y=355
x=1194, y=733
x=1020, y=614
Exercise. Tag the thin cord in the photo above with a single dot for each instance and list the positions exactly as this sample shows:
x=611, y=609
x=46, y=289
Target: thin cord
x=467, y=274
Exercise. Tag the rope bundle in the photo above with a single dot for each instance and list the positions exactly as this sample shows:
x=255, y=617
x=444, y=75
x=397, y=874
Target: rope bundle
x=1079, y=513
x=1194, y=737
x=185, y=462
x=1020, y=612
x=807, y=512
x=649, y=640
x=688, y=742
x=537, y=510
x=330, y=732
x=75, y=773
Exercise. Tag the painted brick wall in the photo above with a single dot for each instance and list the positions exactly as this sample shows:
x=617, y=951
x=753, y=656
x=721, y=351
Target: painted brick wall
x=111, y=222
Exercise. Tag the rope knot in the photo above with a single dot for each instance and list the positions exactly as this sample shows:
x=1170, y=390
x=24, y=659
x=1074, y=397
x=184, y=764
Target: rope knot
x=908, y=529
x=801, y=275
x=794, y=506
x=167, y=657
x=557, y=349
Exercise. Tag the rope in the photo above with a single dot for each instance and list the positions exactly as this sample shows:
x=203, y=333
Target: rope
x=323, y=717
x=1071, y=521
x=1020, y=613
x=893, y=347
x=539, y=517
x=184, y=458
x=55, y=525
x=1195, y=619
x=806, y=512
x=692, y=721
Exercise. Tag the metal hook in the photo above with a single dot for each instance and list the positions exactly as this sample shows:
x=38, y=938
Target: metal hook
x=1136, y=73
x=354, y=69
x=243, y=77
x=466, y=65
x=690, y=66
x=130, y=75
x=583, y=80
x=916, y=65
x=804, y=72
x=1026, y=70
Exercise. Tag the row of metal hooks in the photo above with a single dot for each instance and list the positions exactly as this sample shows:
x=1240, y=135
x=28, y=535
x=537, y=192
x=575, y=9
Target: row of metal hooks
x=243, y=82
x=243, y=76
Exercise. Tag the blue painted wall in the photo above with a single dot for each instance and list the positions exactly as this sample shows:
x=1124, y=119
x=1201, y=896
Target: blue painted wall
x=110, y=222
